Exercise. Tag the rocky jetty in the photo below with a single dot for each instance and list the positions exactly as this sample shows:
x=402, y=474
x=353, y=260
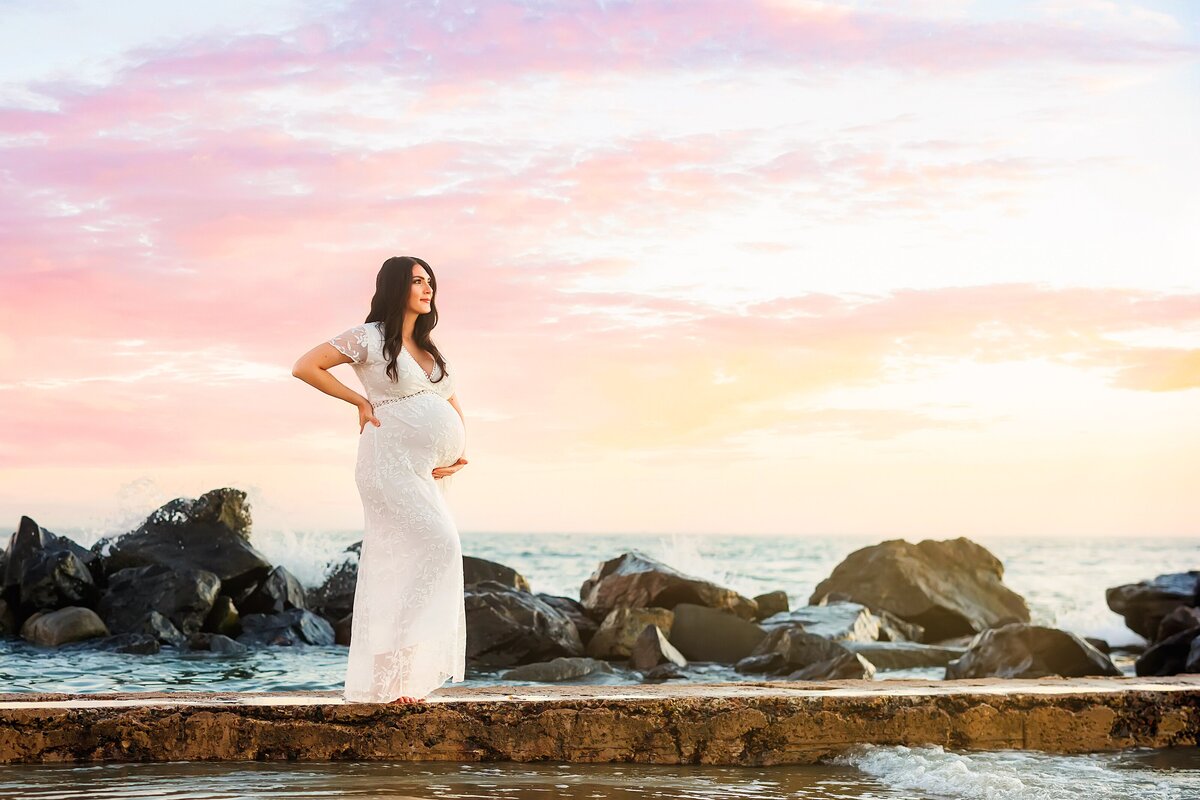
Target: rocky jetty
x=190, y=578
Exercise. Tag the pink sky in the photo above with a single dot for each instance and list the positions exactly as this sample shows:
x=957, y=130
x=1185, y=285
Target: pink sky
x=907, y=269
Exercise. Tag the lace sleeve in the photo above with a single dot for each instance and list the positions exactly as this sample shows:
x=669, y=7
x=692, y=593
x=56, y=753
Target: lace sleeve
x=352, y=343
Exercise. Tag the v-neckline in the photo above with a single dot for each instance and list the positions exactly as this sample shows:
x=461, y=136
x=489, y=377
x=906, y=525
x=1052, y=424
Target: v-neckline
x=412, y=358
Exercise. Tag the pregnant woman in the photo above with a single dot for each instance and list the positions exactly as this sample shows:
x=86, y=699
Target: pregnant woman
x=408, y=633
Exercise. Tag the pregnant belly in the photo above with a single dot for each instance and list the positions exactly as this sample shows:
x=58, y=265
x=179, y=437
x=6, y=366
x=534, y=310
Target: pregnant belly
x=424, y=428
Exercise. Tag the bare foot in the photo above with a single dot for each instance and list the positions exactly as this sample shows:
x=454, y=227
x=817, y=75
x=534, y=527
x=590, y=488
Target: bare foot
x=404, y=700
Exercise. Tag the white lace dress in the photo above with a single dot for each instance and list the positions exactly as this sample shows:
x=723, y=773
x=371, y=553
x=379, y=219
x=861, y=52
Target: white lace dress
x=409, y=632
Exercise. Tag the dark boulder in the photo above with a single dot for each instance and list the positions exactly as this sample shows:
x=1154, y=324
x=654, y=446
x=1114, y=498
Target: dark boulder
x=342, y=629
x=30, y=538
x=904, y=655
x=1180, y=619
x=277, y=592
x=216, y=643
x=54, y=578
x=797, y=649
x=701, y=633
x=1018, y=650
x=1169, y=656
x=843, y=666
x=894, y=629
x=586, y=626
x=652, y=648
x=506, y=627
x=770, y=603
x=139, y=644
x=297, y=626
x=1145, y=604
x=224, y=618
x=476, y=570
x=664, y=672
x=184, y=596
x=8, y=619
x=622, y=627
x=949, y=588
x=563, y=668
x=210, y=534
x=334, y=598
x=635, y=580
x=162, y=629
x=840, y=621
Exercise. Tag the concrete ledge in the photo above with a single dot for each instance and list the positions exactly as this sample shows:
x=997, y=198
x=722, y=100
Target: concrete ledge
x=732, y=723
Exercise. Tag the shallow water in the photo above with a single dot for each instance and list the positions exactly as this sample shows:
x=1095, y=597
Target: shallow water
x=870, y=772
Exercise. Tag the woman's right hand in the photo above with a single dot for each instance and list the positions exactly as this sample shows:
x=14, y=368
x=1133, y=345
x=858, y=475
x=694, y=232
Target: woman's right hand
x=366, y=413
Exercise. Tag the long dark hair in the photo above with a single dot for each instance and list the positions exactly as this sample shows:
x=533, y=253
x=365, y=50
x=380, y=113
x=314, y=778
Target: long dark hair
x=393, y=286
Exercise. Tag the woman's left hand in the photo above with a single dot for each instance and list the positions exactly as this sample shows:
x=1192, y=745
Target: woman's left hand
x=442, y=472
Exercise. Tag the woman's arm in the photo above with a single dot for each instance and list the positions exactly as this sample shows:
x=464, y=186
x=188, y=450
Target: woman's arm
x=313, y=368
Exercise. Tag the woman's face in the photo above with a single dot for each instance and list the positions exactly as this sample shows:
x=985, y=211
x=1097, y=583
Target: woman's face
x=420, y=298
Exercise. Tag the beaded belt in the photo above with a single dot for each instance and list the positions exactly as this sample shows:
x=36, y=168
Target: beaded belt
x=387, y=400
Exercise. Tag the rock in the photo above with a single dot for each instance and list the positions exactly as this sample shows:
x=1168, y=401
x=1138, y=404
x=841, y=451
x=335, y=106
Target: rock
x=773, y=663
x=223, y=618
x=1169, y=656
x=476, y=570
x=797, y=649
x=904, y=655
x=634, y=580
x=770, y=603
x=210, y=534
x=8, y=619
x=334, y=598
x=663, y=672
x=71, y=624
x=894, y=629
x=277, y=592
x=138, y=644
x=1018, y=650
x=1145, y=604
x=31, y=538
x=621, y=629
x=652, y=648
x=562, y=668
x=156, y=625
x=837, y=621
x=575, y=611
x=506, y=627
x=342, y=629
x=53, y=578
x=701, y=633
x=843, y=666
x=217, y=643
x=1181, y=618
x=949, y=588
x=185, y=596
x=293, y=627
x=1099, y=644
x=1193, y=660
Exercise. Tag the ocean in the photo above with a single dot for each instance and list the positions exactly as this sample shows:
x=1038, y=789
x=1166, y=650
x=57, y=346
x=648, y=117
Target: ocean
x=1063, y=580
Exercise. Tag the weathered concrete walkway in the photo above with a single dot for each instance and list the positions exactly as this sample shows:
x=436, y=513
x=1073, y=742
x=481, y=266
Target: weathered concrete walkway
x=738, y=723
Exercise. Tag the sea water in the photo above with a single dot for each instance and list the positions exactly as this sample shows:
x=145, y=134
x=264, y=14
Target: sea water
x=1063, y=580
x=910, y=773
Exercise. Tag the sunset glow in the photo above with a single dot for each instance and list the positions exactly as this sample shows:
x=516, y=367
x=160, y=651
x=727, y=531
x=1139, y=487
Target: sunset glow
x=907, y=268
